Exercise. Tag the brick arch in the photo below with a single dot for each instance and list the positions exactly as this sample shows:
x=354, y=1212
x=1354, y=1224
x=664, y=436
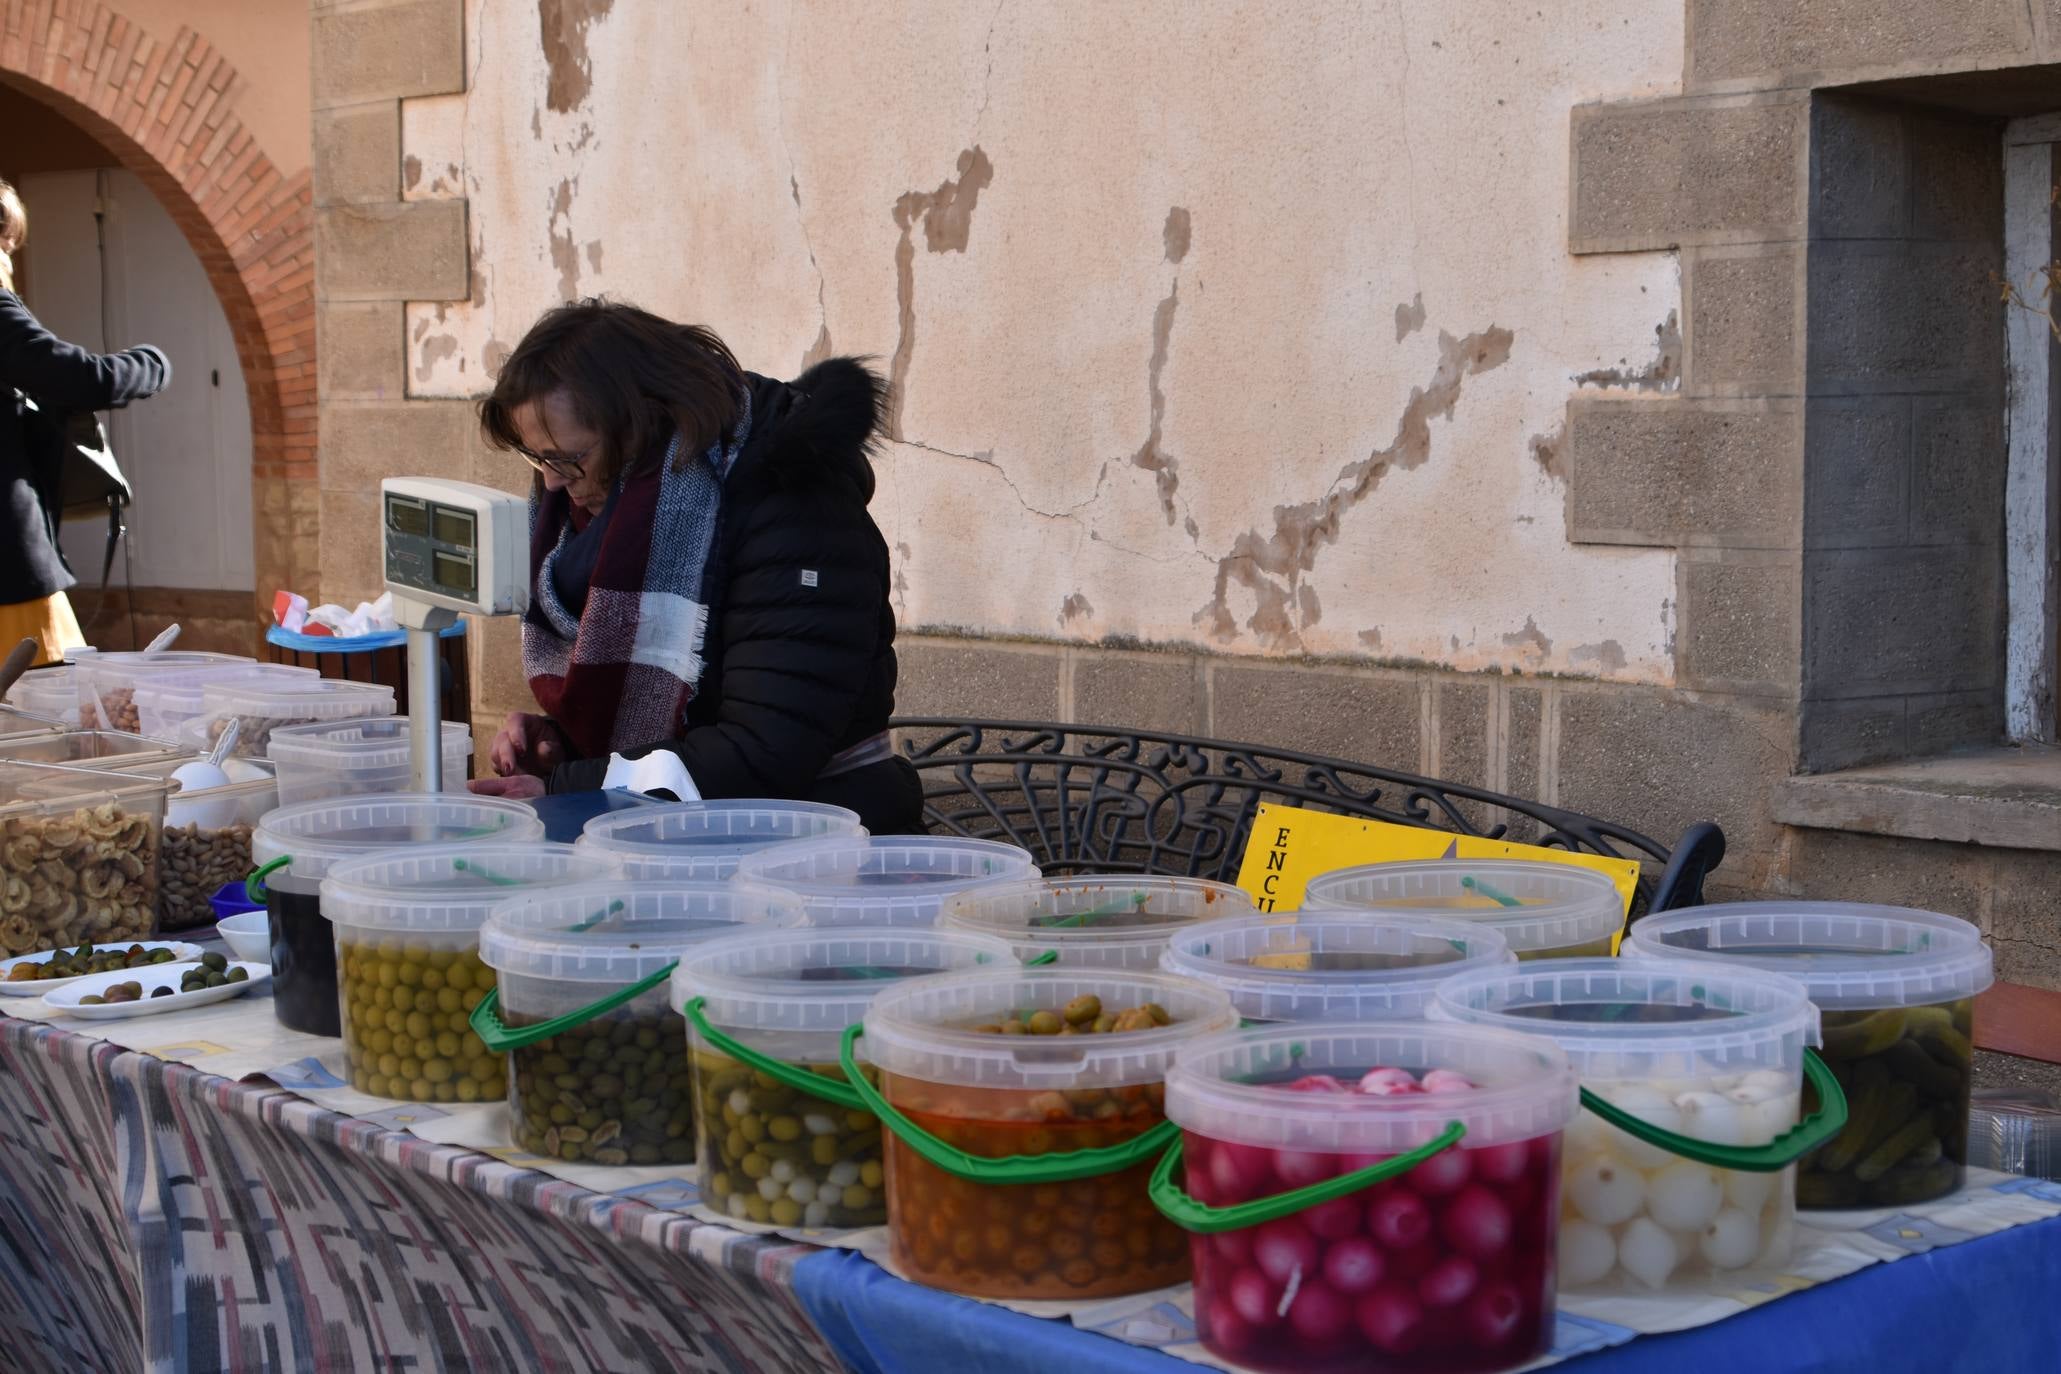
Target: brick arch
x=163, y=106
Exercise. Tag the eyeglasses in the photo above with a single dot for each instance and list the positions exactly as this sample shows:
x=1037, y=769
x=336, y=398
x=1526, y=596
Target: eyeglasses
x=568, y=468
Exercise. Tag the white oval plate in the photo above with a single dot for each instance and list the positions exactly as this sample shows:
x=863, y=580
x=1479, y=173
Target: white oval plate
x=181, y=953
x=66, y=1000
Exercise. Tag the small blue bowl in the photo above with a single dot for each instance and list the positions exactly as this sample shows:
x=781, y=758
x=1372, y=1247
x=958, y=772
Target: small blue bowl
x=229, y=900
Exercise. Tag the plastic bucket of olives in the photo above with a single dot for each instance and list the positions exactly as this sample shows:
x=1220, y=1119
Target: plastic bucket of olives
x=884, y=880
x=1093, y=921
x=1895, y=990
x=1024, y=1111
x=783, y=1139
x=597, y=1057
x=1331, y=965
x=1542, y=910
x=1703, y=1065
x=704, y=841
x=407, y=956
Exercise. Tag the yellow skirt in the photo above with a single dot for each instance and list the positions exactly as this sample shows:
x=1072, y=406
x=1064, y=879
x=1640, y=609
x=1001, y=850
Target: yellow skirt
x=49, y=622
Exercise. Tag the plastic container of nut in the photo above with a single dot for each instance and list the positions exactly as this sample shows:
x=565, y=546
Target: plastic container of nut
x=166, y=701
x=106, y=683
x=1693, y=1053
x=597, y=1057
x=78, y=858
x=407, y=958
x=266, y=704
x=704, y=841
x=1093, y=921
x=341, y=758
x=883, y=880
x=782, y=1139
x=1895, y=989
x=1543, y=910
x=1024, y=1110
x=97, y=750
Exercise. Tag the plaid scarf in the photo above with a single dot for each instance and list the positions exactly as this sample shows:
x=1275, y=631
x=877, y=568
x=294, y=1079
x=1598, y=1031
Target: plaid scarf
x=620, y=674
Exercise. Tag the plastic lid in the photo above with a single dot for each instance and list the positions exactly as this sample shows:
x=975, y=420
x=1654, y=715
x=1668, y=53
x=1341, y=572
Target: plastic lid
x=819, y=980
x=616, y=931
x=704, y=840
x=314, y=698
x=101, y=670
x=76, y=747
x=183, y=694
x=1093, y=921
x=1220, y=1087
x=360, y=742
x=33, y=789
x=883, y=880
x=1331, y=965
x=924, y=1028
x=1535, y=905
x=448, y=887
x=45, y=692
x=1847, y=955
x=319, y=834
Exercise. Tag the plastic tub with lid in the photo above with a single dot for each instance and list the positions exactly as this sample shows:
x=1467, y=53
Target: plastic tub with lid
x=597, y=1057
x=1708, y=1064
x=1895, y=989
x=782, y=1139
x=47, y=692
x=1543, y=910
x=99, y=750
x=105, y=684
x=341, y=758
x=18, y=724
x=166, y=701
x=262, y=706
x=294, y=848
x=883, y=880
x=1331, y=965
x=1017, y=1161
x=1370, y=1197
x=704, y=841
x=80, y=860
x=1093, y=921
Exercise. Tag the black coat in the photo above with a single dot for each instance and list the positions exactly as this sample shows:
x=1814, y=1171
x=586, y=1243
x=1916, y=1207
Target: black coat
x=63, y=379
x=796, y=669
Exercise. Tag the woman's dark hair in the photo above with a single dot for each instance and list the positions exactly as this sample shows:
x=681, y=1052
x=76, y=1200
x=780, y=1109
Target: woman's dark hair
x=632, y=378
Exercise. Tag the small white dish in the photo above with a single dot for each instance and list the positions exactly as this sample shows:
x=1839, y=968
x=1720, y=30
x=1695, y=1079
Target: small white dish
x=248, y=935
x=182, y=953
x=66, y=1000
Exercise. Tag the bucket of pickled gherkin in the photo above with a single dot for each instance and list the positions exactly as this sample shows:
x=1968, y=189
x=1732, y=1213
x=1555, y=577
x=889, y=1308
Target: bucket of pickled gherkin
x=1543, y=910
x=782, y=1138
x=1093, y=920
x=407, y=960
x=597, y=1057
x=1895, y=990
x=1025, y=1109
x=704, y=841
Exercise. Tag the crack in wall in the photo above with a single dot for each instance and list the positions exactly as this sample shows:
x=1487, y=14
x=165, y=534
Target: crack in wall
x=947, y=218
x=820, y=349
x=562, y=29
x=1664, y=373
x=987, y=83
x=1151, y=457
x=1272, y=566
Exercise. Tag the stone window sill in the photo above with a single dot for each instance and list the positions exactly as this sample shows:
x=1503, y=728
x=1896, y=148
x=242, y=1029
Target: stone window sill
x=2005, y=798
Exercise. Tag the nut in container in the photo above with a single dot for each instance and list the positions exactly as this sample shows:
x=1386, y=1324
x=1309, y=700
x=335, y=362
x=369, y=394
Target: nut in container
x=78, y=857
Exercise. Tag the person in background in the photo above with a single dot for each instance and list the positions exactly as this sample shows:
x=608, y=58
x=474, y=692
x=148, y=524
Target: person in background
x=61, y=379
x=709, y=610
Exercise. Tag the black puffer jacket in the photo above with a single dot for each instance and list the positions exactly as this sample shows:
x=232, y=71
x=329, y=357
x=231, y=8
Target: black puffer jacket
x=800, y=660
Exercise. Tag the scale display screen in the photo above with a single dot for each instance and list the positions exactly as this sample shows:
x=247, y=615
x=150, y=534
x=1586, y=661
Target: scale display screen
x=454, y=527
x=432, y=547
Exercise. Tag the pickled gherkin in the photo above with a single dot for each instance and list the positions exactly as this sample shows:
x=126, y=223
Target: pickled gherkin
x=1907, y=1072
x=776, y=1155
x=405, y=1032
x=615, y=1090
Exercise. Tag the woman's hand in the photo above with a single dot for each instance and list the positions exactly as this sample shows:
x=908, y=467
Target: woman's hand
x=527, y=744
x=521, y=787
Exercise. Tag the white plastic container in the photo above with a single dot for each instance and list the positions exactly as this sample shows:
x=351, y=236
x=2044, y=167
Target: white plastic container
x=1712, y=1053
x=1093, y=921
x=106, y=683
x=790, y=995
x=80, y=859
x=883, y=880
x=93, y=750
x=1331, y=965
x=343, y=758
x=48, y=692
x=704, y=841
x=166, y=701
x=265, y=705
x=1543, y=910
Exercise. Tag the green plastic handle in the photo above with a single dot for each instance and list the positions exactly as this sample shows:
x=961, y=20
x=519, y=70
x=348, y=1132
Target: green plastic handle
x=1050, y=956
x=1058, y=1167
x=486, y=1017
x=260, y=893
x=1181, y=1208
x=779, y=1070
x=1781, y=1152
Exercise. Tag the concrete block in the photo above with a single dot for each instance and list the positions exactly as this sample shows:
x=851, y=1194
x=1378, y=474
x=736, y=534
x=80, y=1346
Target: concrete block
x=360, y=351
x=1838, y=866
x=1904, y=316
x=412, y=251
x=2000, y=797
x=351, y=570
x=1879, y=622
x=1769, y=42
x=1665, y=173
x=357, y=153
x=1957, y=176
x=944, y=677
x=1856, y=471
x=1353, y=716
x=1957, y=471
x=1521, y=742
x=1954, y=721
x=1850, y=733
x=1714, y=473
x=2025, y=917
x=389, y=51
x=1745, y=331
x=1860, y=169
x=1737, y=626
x=365, y=441
x=1463, y=733
x=1160, y=692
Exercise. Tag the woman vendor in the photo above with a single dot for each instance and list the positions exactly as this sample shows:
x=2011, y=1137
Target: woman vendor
x=709, y=598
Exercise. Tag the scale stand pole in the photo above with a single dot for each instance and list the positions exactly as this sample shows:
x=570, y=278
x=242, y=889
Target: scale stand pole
x=425, y=710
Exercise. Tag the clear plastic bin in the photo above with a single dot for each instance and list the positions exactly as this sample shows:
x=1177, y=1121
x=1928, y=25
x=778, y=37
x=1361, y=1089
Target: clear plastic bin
x=1543, y=910
x=48, y=692
x=407, y=927
x=704, y=841
x=1331, y=965
x=1895, y=989
x=78, y=858
x=17, y=724
x=315, y=836
x=106, y=683
x=96, y=750
x=260, y=707
x=342, y=758
x=612, y=1085
x=1114, y=921
x=883, y=880
x=792, y=1149
x=1713, y=1054
x=166, y=701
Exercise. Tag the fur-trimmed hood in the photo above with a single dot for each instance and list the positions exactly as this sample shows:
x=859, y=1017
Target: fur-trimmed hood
x=820, y=427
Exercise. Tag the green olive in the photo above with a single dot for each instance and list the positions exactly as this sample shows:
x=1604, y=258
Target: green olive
x=393, y=1030
x=613, y=1091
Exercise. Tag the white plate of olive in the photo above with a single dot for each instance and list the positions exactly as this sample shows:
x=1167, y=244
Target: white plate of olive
x=38, y=972
x=165, y=987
